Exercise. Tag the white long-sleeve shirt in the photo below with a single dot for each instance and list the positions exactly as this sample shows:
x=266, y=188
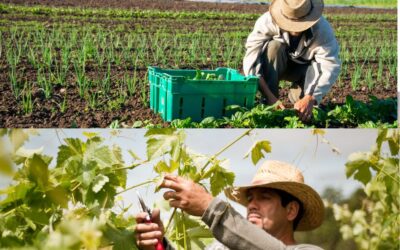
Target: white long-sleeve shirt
x=318, y=46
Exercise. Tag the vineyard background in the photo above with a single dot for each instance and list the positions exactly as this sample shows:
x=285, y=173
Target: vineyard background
x=314, y=150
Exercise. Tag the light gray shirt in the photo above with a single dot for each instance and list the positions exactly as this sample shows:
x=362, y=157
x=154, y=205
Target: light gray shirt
x=320, y=49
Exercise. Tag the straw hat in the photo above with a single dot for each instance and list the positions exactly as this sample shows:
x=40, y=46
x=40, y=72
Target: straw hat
x=283, y=176
x=296, y=15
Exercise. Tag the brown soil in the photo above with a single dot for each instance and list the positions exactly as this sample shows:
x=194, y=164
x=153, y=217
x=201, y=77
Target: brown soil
x=47, y=112
x=179, y=5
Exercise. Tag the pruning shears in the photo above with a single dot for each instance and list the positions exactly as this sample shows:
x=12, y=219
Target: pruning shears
x=159, y=245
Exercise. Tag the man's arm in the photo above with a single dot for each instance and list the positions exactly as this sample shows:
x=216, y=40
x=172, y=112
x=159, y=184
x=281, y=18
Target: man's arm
x=326, y=65
x=226, y=224
x=235, y=231
x=325, y=51
x=263, y=31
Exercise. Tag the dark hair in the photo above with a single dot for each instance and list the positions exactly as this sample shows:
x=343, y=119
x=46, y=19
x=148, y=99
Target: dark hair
x=285, y=199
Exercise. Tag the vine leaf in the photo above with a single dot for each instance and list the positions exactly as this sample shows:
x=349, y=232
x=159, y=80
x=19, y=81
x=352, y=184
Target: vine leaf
x=99, y=183
x=162, y=167
x=318, y=132
x=358, y=165
x=6, y=167
x=97, y=153
x=220, y=178
x=257, y=151
x=18, y=138
x=122, y=238
x=134, y=156
x=161, y=142
x=38, y=171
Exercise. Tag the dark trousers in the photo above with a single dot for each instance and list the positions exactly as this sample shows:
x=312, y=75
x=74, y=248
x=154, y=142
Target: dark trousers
x=277, y=66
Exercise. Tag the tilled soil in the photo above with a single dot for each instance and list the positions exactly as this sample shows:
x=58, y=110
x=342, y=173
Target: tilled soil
x=49, y=113
x=179, y=5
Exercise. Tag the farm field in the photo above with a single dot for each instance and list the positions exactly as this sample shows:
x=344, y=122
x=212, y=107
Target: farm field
x=73, y=64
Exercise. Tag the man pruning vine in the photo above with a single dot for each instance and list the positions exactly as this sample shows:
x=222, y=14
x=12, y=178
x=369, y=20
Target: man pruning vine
x=293, y=42
x=277, y=201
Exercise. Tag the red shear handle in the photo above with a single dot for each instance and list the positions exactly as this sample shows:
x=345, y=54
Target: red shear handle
x=159, y=245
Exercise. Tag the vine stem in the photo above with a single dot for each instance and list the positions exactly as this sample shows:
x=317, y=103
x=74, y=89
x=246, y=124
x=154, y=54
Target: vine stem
x=131, y=166
x=247, y=132
x=135, y=186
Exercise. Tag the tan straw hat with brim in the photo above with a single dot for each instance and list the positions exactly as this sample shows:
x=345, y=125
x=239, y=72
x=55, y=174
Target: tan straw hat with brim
x=296, y=15
x=283, y=176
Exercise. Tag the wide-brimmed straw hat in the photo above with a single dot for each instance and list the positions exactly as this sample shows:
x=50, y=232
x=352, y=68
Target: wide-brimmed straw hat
x=296, y=15
x=286, y=177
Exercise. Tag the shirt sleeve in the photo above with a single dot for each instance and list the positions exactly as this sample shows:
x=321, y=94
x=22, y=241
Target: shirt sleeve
x=234, y=231
x=263, y=31
x=327, y=64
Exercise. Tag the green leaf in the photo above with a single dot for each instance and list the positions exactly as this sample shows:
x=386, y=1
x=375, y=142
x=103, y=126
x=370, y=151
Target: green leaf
x=116, y=154
x=72, y=149
x=380, y=139
x=90, y=135
x=122, y=238
x=220, y=178
x=162, y=167
x=257, y=151
x=6, y=166
x=95, y=152
x=3, y=131
x=59, y=196
x=134, y=156
x=159, y=131
x=158, y=147
x=99, y=182
x=15, y=193
x=37, y=216
x=317, y=131
x=358, y=165
x=18, y=138
x=22, y=153
x=38, y=171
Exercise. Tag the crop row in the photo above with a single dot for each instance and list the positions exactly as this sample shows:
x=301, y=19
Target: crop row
x=105, y=65
x=129, y=14
x=53, y=54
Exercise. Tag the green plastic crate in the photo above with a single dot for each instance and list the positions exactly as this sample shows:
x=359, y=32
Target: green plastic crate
x=174, y=94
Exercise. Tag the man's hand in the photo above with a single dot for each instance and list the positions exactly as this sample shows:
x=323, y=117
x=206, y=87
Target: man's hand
x=269, y=96
x=148, y=234
x=304, y=106
x=187, y=195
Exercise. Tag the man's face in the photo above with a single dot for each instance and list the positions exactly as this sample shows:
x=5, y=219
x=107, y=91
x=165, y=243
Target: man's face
x=265, y=210
x=292, y=33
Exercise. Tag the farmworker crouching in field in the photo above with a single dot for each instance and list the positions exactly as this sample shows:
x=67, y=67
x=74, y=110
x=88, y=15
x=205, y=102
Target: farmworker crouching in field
x=278, y=203
x=293, y=42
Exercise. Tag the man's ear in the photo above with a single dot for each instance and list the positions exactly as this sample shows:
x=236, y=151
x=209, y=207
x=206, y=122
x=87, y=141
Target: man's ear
x=292, y=209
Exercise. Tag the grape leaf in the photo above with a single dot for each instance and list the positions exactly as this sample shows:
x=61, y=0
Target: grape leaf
x=18, y=138
x=58, y=195
x=95, y=152
x=15, y=193
x=123, y=239
x=38, y=171
x=318, y=132
x=257, y=151
x=6, y=166
x=90, y=135
x=99, y=182
x=162, y=167
x=134, y=156
x=358, y=165
x=158, y=147
x=220, y=178
x=73, y=149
